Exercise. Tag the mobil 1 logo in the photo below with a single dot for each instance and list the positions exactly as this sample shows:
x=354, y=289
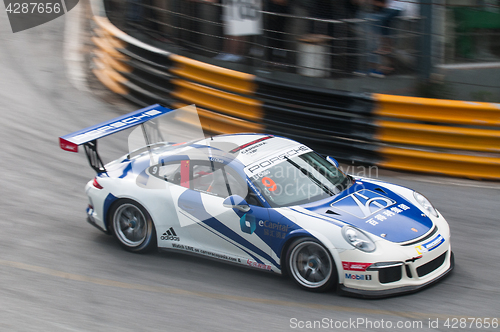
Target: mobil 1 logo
x=27, y=14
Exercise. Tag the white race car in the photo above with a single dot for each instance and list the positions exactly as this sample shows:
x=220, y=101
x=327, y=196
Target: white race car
x=265, y=202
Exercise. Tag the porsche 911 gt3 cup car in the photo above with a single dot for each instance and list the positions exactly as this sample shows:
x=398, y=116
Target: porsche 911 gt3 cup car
x=265, y=202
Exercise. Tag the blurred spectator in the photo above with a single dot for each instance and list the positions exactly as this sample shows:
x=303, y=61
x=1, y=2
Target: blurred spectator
x=321, y=9
x=388, y=10
x=276, y=24
x=191, y=26
x=370, y=30
x=241, y=19
x=352, y=45
x=134, y=13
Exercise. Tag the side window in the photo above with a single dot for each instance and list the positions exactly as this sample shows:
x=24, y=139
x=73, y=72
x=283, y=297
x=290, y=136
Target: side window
x=176, y=172
x=202, y=177
x=237, y=185
x=252, y=198
x=216, y=179
x=169, y=172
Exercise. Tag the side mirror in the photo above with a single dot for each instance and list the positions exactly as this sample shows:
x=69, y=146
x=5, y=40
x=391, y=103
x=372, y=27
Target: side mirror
x=236, y=202
x=332, y=161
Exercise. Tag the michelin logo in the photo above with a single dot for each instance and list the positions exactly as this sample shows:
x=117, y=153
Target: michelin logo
x=429, y=246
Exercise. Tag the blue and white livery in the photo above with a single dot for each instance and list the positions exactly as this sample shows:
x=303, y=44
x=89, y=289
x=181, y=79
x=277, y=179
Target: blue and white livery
x=269, y=203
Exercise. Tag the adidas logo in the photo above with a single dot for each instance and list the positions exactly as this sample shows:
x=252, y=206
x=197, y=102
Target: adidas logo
x=170, y=235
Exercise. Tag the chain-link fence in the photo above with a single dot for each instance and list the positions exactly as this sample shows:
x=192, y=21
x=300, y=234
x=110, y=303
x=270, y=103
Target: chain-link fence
x=319, y=38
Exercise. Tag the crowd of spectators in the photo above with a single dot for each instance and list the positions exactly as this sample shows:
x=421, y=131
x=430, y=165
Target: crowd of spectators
x=357, y=34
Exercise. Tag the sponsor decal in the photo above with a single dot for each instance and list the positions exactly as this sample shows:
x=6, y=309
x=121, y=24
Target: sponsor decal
x=269, y=183
x=255, y=190
x=217, y=160
x=258, y=265
x=388, y=213
x=274, y=229
x=354, y=266
x=114, y=125
x=170, y=235
x=273, y=233
x=248, y=224
x=358, y=276
x=273, y=225
x=241, y=147
x=257, y=176
x=365, y=203
x=262, y=165
x=206, y=253
x=68, y=146
x=431, y=245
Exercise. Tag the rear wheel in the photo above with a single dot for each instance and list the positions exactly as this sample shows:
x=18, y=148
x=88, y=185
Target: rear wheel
x=310, y=265
x=133, y=227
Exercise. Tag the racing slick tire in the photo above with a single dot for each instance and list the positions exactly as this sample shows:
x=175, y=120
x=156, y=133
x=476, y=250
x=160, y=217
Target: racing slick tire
x=310, y=265
x=132, y=226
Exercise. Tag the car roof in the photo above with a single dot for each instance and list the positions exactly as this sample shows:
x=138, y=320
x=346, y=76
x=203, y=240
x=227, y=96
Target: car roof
x=247, y=148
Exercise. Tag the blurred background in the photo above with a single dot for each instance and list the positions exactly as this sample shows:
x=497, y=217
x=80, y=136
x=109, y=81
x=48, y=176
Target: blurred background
x=429, y=48
x=308, y=78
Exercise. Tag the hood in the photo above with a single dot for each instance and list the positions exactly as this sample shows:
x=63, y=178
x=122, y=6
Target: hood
x=375, y=209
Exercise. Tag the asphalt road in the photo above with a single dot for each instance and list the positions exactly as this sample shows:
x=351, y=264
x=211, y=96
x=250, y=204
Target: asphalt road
x=58, y=273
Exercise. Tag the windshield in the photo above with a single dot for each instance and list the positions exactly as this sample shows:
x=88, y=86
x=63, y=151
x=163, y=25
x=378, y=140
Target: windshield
x=299, y=180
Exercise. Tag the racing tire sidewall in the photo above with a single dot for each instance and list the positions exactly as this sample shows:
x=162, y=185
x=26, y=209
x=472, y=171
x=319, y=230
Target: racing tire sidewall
x=149, y=242
x=333, y=275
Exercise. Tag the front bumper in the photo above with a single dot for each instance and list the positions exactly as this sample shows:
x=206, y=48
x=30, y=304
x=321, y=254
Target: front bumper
x=343, y=290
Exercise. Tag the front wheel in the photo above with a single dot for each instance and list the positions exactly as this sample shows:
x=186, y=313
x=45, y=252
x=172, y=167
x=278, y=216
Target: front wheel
x=310, y=265
x=132, y=226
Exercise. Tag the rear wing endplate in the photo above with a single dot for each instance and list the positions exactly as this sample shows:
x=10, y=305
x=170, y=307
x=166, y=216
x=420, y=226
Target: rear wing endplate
x=88, y=137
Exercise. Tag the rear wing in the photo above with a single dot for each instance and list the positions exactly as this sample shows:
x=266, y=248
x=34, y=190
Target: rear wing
x=88, y=137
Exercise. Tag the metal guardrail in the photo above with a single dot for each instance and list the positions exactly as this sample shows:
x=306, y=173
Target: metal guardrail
x=145, y=74
x=414, y=134
x=438, y=110
x=456, y=138
x=330, y=121
x=228, y=101
x=474, y=167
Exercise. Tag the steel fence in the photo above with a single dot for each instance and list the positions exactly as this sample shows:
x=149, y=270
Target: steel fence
x=317, y=42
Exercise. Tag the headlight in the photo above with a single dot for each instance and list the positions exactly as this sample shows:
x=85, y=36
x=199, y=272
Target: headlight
x=424, y=202
x=357, y=239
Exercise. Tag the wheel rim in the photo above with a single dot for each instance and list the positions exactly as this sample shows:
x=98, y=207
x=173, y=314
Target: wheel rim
x=310, y=264
x=130, y=225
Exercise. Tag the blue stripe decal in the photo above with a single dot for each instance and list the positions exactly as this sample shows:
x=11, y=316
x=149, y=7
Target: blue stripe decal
x=110, y=199
x=258, y=260
x=332, y=221
x=126, y=170
x=191, y=197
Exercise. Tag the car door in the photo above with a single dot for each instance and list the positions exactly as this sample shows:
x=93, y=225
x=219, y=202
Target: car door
x=174, y=229
x=225, y=232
